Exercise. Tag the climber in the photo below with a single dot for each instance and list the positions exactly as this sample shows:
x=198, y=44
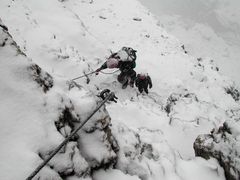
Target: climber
x=104, y=93
x=124, y=59
x=142, y=82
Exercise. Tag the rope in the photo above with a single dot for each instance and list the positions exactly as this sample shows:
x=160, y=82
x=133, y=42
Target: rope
x=111, y=72
x=82, y=76
x=33, y=174
x=92, y=73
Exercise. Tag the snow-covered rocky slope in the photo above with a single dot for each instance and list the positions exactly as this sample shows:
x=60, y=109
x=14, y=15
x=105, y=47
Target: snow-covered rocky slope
x=208, y=28
x=151, y=136
x=38, y=112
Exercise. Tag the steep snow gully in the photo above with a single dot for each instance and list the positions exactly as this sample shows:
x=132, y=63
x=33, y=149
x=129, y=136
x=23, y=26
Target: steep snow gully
x=142, y=137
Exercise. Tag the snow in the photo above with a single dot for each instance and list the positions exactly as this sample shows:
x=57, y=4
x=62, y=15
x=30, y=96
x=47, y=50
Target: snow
x=21, y=129
x=70, y=38
x=113, y=174
x=223, y=145
x=28, y=116
x=136, y=118
x=206, y=28
x=200, y=170
x=94, y=148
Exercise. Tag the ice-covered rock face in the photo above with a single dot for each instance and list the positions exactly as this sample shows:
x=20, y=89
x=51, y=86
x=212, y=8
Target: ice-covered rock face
x=224, y=145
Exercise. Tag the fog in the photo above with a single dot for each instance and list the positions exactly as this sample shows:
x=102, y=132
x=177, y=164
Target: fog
x=206, y=27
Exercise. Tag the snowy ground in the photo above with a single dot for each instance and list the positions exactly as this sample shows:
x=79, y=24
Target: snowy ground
x=206, y=28
x=72, y=37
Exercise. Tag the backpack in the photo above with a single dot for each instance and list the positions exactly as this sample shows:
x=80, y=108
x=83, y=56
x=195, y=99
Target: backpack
x=125, y=54
x=131, y=53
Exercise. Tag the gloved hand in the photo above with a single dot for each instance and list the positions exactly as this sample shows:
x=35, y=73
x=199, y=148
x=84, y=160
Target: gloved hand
x=150, y=86
x=97, y=71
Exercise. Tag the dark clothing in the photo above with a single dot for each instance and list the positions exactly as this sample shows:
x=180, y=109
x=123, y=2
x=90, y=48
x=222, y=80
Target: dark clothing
x=125, y=63
x=127, y=75
x=126, y=78
x=104, y=66
x=141, y=88
x=123, y=66
x=143, y=83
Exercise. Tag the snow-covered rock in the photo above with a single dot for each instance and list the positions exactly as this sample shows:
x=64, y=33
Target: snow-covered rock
x=222, y=144
x=146, y=153
x=38, y=112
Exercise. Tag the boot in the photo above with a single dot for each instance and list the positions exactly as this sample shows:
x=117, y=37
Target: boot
x=131, y=84
x=125, y=84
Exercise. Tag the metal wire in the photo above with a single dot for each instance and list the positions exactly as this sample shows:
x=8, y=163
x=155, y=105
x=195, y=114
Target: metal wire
x=79, y=77
x=34, y=173
x=82, y=76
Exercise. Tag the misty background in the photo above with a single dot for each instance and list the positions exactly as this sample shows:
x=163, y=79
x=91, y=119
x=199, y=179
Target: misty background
x=207, y=28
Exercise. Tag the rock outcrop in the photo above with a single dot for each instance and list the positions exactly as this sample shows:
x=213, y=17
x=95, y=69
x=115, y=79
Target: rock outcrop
x=61, y=107
x=93, y=148
x=224, y=145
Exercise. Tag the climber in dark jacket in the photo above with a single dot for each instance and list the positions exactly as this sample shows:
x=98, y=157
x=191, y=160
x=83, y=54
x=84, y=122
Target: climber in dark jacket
x=125, y=61
x=127, y=75
x=143, y=81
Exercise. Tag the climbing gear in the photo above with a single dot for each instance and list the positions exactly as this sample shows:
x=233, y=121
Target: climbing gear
x=34, y=173
x=123, y=59
x=85, y=75
x=125, y=54
x=96, y=72
x=104, y=93
x=131, y=53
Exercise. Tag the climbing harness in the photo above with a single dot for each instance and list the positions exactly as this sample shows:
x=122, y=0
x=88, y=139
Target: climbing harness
x=131, y=53
x=104, y=93
x=34, y=173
